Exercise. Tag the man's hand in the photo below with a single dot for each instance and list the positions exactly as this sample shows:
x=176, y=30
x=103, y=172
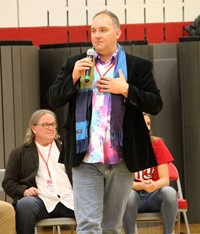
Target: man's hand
x=80, y=67
x=113, y=85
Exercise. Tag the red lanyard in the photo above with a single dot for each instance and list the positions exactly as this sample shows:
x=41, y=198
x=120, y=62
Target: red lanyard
x=46, y=161
x=112, y=65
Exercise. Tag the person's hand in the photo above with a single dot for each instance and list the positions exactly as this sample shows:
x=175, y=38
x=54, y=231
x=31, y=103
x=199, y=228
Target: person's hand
x=32, y=191
x=113, y=85
x=80, y=67
x=149, y=185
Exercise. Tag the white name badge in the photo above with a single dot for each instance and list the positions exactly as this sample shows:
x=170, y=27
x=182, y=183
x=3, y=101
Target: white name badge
x=50, y=186
x=99, y=99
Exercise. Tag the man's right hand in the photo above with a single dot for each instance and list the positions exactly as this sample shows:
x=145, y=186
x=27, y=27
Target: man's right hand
x=80, y=67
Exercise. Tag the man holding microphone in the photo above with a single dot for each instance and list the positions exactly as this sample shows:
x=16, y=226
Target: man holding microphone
x=106, y=138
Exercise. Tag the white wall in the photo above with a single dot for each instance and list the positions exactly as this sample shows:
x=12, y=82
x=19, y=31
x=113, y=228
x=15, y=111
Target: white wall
x=31, y=13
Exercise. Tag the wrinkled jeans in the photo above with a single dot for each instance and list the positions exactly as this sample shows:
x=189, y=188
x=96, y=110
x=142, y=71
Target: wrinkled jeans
x=101, y=193
x=163, y=200
x=31, y=209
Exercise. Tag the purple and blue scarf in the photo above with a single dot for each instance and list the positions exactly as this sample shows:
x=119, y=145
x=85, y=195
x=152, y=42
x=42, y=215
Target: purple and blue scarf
x=84, y=108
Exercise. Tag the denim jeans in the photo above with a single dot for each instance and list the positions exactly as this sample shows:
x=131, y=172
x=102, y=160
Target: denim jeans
x=101, y=193
x=31, y=209
x=163, y=200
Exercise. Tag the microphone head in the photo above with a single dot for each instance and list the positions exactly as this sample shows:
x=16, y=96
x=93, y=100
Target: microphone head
x=90, y=52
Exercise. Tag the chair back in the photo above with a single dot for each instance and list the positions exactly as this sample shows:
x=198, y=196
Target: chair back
x=173, y=175
x=173, y=172
x=2, y=173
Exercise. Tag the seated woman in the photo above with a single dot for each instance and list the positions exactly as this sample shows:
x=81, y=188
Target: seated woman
x=39, y=185
x=151, y=191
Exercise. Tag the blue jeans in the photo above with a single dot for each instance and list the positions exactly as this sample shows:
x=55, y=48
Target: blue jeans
x=163, y=200
x=31, y=209
x=101, y=193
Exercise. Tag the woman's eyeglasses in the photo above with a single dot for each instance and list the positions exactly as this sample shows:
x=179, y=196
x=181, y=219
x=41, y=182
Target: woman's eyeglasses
x=47, y=125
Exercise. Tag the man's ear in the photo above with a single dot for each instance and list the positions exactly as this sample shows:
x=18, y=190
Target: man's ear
x=118, y=33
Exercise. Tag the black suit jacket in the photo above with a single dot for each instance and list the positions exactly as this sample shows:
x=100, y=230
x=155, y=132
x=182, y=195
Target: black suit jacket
x=143, y=96
x=21, y=170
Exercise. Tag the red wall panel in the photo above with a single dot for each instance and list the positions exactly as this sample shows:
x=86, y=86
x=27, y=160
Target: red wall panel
x=153, y=33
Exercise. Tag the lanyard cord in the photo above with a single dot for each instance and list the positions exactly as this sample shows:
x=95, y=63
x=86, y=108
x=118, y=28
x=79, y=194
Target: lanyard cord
x=112, y=65
x=46, y=161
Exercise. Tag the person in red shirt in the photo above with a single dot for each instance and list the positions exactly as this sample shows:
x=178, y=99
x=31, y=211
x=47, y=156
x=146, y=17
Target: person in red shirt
x=151, y=191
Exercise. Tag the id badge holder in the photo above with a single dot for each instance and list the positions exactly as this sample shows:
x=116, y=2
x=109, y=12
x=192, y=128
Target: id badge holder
x=50, y=186
x=100, y=99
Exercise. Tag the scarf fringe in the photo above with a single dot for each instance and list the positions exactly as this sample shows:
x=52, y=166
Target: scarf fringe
x=82, y=146
x=117, y=140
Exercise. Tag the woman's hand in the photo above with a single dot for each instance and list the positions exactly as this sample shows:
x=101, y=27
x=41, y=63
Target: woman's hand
x=32, y=191
x=149, y=185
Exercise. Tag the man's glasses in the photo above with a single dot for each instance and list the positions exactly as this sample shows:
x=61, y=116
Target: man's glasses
x=47, y=125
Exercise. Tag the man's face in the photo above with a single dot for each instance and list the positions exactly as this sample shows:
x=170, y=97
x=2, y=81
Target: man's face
x=104, y=34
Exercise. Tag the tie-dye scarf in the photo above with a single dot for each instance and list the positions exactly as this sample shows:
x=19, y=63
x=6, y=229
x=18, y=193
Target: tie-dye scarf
x=84, y=108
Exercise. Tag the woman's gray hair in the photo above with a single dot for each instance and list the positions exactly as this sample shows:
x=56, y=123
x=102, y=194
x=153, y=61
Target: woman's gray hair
x=29, y=136
x=113, y=17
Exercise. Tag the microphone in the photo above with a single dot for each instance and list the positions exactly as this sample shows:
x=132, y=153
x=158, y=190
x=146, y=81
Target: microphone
x=90, y=55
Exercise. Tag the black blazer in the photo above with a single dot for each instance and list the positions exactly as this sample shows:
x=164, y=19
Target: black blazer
x=21, y=170
x=143, y=96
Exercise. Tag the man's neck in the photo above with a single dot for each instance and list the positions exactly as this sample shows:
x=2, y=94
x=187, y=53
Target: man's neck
x=107, y=57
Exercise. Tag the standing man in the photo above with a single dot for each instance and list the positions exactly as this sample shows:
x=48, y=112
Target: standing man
x=106, y=136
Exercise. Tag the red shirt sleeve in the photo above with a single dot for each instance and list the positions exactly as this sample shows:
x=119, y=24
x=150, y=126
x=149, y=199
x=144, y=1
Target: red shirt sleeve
x=161, y=151
x=162, y=155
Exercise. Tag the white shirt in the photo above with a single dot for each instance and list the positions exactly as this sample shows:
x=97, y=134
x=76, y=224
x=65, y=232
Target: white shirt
x=61, y=188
